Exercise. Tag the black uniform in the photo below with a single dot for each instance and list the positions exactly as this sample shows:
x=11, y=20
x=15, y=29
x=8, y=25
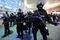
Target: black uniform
x=19, y=23
x=39, y=22
x=43, y=14
x=6, y=25
x=12, y=19
x=28, y=21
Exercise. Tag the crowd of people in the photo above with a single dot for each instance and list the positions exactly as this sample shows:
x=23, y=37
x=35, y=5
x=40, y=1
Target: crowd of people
x=55, y=17
x=36, y=21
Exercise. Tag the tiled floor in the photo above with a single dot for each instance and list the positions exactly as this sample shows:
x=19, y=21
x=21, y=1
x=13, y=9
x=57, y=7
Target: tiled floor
x=53, y=30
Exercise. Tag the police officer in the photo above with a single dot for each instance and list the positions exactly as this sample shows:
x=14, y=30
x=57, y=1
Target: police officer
x=19, y=23
x=6, y=25
x=28, y=21
x=11, y=19
x=39, y=22
x=14, y=19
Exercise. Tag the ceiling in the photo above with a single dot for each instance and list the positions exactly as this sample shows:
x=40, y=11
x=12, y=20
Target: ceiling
x=35, y=1
x=17, y=3
x=10, y=3
x=53, y=0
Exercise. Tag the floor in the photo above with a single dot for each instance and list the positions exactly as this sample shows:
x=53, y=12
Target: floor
x=53, y=30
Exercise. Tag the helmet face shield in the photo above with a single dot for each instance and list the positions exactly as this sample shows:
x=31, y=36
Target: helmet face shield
x=39, y=6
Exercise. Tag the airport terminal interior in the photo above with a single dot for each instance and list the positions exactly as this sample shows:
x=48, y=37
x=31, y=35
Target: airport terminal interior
x=52, y=7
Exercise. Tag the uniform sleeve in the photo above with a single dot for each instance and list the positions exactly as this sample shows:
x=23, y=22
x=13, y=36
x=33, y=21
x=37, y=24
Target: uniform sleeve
x=47, y=17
